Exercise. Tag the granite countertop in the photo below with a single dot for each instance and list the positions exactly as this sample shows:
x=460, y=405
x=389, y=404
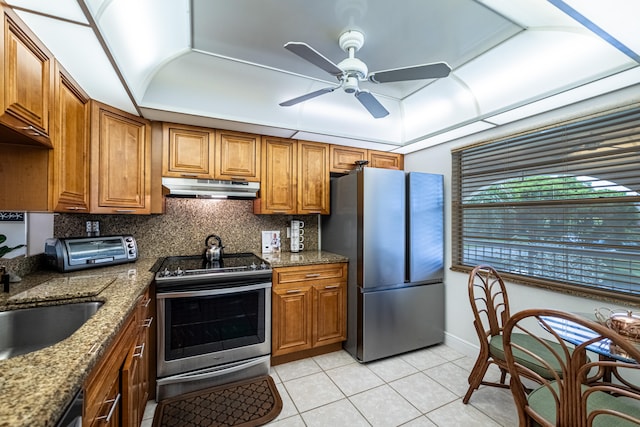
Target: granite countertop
x=291, y=259
x=36, y=387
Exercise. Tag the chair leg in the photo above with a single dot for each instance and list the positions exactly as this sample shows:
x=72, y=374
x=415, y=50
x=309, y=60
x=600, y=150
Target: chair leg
x=475, y=378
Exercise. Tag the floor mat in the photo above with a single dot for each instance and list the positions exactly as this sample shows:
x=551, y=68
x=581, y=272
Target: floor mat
x=246, y=403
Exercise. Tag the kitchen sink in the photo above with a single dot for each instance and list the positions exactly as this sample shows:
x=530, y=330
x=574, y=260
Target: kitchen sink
x=29, y=329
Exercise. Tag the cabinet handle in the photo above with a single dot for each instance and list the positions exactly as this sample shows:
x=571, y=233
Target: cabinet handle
x=146, y=323
x=94, y=348
x=141, y=347
x=189, y=175
x=146, y=303
x=332, y=286
x=309, y=275
x=280, y=212
x=124, y=210
x=293, y=291
x=114, y=405
x=238, y=179
x=76, y=208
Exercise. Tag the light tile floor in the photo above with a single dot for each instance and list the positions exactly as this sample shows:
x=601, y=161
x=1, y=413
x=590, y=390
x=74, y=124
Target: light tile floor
x=420, y=388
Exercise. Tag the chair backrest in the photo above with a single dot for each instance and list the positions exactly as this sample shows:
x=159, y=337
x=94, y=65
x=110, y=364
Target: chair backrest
x=589, y=389
x=489, y=301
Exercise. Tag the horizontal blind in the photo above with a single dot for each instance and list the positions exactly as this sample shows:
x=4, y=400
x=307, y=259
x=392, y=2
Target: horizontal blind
x=560, y=205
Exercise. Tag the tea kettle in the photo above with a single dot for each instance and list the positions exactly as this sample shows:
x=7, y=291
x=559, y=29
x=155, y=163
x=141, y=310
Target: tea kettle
x=213, y=252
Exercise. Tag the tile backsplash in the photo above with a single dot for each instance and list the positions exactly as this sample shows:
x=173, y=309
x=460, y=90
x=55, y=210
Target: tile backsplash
x=182, y=230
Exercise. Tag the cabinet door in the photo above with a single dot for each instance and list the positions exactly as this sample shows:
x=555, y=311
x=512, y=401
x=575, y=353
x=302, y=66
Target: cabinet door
x=110, y=409
x=188, y=151
x=278, y=186
x=120, y=162
x=237, y=156
x=313, y=178
x=26, y=76
x=330, y=307
x=131, y=389
x=343, y=159
x=292, y=318
x=381, y=159
x=70, y=155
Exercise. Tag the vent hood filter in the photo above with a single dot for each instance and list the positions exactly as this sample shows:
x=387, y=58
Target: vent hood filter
x=211, y=188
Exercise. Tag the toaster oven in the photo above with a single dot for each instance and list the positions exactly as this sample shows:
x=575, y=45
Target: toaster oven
x=79, y=253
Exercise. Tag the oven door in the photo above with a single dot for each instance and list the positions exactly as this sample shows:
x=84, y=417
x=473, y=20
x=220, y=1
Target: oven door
x=206, y=328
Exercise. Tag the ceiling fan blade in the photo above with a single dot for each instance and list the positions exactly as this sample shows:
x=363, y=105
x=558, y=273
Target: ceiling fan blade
x=372, y=104
x=308, y=96
x=435, y=70
x=308, y=53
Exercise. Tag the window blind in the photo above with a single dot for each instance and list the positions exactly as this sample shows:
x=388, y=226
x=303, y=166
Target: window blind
x=559, y=205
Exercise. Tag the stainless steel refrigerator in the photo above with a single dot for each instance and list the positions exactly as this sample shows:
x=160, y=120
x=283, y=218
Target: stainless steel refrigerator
x=390, y=225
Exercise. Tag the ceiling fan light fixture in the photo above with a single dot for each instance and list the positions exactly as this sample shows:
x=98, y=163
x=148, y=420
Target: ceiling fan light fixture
x=350, y=84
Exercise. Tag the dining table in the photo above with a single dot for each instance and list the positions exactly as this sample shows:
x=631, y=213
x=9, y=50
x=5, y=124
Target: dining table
x=604, y=349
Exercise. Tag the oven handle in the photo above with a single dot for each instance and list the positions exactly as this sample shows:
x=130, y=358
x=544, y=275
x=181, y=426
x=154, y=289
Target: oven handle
x=213, y=372
x=209, y=292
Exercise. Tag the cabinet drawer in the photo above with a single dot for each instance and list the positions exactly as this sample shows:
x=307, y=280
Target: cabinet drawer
x=335, y=272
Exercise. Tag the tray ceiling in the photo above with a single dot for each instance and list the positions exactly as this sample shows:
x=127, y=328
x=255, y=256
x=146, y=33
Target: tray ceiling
x=222, y=63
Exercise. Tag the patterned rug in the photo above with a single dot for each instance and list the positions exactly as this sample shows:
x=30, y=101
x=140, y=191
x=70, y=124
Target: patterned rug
x=247, y=403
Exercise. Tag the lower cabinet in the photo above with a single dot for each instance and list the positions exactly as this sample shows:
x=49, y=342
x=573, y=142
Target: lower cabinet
x=117, y=390
x=309, y=310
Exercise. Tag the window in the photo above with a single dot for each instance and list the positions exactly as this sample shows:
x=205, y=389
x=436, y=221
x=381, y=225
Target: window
x=558, y=206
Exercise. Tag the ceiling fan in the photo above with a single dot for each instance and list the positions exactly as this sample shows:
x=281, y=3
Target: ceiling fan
x=351, y=71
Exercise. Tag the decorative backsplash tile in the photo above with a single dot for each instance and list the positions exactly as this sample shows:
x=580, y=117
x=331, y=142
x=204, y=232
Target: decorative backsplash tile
x=182, y=230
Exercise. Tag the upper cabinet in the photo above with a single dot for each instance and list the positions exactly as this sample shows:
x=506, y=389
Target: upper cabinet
x=237, y=156
x=343, y=159
x=313, y=178
x=187, y=151
x=278, y=185
x=120, y=162
x=69, y=159
x=385, y=160
x=295, y=177
x=196, y=152
x=26, y=84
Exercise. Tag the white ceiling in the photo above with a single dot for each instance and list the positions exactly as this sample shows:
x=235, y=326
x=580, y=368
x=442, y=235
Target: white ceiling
x=221, y=63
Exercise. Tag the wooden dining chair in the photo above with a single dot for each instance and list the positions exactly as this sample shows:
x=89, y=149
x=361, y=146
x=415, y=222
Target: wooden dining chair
x=579, y=395
x=490, y=306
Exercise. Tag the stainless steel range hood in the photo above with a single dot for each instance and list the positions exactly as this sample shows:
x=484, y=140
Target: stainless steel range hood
x=211, y=188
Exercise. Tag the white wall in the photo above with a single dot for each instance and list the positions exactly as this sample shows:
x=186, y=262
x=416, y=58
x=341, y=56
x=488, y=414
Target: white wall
x=460, y=333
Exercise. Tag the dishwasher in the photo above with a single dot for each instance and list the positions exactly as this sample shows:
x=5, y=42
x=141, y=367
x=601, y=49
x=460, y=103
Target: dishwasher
x=73, y=414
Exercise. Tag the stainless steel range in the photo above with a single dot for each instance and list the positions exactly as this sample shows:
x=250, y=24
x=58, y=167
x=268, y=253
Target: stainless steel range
x=214, y=321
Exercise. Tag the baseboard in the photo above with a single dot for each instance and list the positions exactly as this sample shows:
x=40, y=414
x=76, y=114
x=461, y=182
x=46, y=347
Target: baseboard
x=461, y=346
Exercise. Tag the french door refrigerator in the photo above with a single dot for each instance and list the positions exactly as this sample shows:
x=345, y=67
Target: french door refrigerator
x=390, y=225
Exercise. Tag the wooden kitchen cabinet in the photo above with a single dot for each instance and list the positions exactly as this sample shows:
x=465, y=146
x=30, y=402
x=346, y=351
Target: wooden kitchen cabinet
x=117, y=389
x=309, y=310
x=26, y=84
x=237, y=156
x=278, y=184
x=187, y=151
x=69, y=159
x=313, y=178
x=385, y=160
x=343, y=159
x=295, y=177
x=120, y=162
x=103, y=394
x=135, y=371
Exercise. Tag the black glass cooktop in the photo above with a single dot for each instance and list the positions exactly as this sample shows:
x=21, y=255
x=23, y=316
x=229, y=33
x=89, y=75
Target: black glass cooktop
x=180, y=266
